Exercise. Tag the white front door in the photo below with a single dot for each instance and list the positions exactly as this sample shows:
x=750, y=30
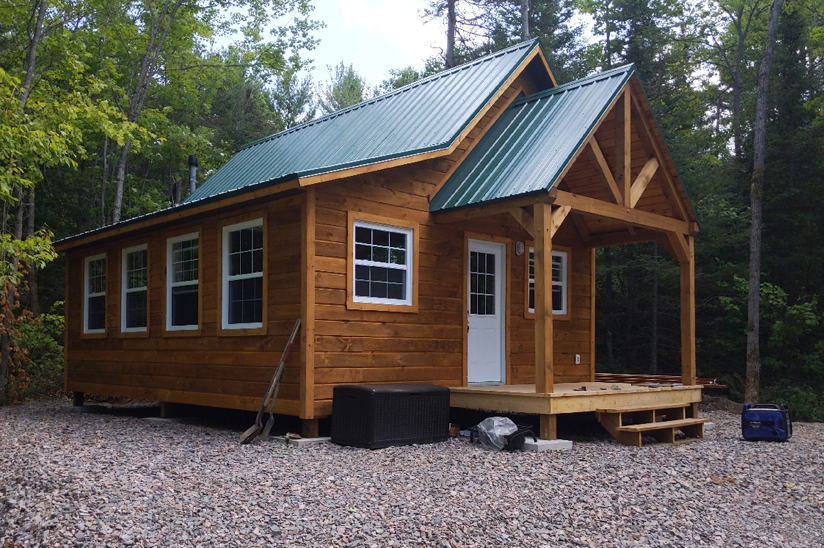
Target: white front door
x=485, y=352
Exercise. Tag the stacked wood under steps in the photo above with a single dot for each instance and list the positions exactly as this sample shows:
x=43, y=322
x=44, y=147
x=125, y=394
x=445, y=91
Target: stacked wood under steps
x=629, y=425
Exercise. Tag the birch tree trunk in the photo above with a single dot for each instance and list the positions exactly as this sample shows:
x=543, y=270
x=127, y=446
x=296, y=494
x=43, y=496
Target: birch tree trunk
x=34, y=292
x=524, y=20
x=11, y=289
x=753, y=375
x=450, y=33
x=139, y=88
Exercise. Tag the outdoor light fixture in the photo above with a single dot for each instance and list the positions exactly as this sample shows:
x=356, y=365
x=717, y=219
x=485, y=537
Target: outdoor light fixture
x=519, y=248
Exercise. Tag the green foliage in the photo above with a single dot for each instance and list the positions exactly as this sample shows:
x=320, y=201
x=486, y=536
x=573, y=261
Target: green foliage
x=37, y=368
x=345, y=88
x=805, y=403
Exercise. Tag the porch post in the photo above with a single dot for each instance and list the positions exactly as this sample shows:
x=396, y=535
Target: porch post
x=543, y=299
x=688, y=315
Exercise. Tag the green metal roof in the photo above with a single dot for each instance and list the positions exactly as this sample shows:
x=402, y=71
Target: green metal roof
x=424, y=116
x=532, y=142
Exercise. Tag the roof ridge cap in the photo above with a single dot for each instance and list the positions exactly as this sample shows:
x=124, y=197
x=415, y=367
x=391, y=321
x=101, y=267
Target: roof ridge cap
x=432, y=77
x=603, y=75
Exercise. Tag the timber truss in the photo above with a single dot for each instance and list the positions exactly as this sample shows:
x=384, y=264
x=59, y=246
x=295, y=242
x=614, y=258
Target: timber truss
x=620, y=188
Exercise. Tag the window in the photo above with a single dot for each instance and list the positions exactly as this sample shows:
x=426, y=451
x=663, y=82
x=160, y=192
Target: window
x=182, y=282
x=135, y=289
x=559, y=282
x=481, y=283
x=243, y=275
x=94, y=285
x=382, y=264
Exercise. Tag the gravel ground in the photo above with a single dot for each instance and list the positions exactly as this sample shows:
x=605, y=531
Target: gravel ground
x=105, y=479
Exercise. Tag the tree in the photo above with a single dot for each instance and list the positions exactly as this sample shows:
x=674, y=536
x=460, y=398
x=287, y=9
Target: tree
x=345, y=88
x=154, y=37
x=751, y=389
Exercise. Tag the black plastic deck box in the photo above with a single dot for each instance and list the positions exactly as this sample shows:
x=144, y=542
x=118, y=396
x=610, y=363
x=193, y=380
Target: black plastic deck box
x=381, y=415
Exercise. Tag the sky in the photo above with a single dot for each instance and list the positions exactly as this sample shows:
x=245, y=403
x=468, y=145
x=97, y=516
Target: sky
x=373, y=36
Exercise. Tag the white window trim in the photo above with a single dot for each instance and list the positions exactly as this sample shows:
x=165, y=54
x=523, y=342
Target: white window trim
x=226, y=278
x=87, y=295
x=563, y=283
x=407, y=301
x=171, y=284
x=124, y=289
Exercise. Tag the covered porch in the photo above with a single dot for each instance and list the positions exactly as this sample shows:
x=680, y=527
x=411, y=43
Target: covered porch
x=618, y=187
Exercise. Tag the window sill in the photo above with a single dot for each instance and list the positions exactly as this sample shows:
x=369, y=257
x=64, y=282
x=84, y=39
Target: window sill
x=241, y=332
x=381, y=307
x=182, y=332
x=134, y=334
x=565, y=317
x=94, y=335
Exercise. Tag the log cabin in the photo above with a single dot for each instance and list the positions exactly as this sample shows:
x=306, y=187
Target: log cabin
x=443, y=233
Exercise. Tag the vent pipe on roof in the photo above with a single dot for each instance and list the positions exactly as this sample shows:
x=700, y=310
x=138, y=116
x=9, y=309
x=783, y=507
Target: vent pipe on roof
x=192, y=173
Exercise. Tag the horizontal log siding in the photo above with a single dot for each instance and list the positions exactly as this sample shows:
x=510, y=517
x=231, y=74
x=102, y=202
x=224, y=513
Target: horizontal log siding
x=202, y=367
x=370, y=346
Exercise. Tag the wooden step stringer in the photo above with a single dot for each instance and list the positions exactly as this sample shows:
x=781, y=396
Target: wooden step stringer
x=628, y=425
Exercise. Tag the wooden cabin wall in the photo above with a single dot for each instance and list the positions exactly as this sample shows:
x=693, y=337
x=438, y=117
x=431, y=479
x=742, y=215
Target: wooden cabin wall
x=203, y=367
x=370, y=346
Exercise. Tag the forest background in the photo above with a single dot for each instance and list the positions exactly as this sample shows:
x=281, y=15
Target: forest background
x=103, y=102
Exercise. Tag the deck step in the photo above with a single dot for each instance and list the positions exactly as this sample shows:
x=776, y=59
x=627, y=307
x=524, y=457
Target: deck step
x=631, y=425
x=650, y=426
x=636, y=409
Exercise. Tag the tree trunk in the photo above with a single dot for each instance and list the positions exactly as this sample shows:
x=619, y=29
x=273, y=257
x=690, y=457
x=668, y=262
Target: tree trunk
x=103, y=182
x=34, y=291
x=10, y=289
x=450, y=33
x=753, y=378
x=137, y=93
x=31, y=58
x=524, y=20
x=608, y=308
x=120, y=178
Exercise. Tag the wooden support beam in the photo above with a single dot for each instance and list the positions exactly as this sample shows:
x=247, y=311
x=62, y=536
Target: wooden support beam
x=309, y=428
x=623, y=145
x=548, y=427
x=596, y=156
x=643, y=179
x=622, y=237
x=496, y=208
x=544, y=367
x=650, y=144
x=558, y=217
x=583, y=229
x=637, y=217
x=680, y=248
x=688, y=367
x=524, y=219
x=307, y=307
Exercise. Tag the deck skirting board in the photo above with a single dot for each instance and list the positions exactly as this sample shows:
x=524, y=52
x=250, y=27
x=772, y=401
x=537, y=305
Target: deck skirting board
x=564, y=399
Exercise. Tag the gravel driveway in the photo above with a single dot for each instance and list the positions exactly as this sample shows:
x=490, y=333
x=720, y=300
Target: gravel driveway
x=80, y=479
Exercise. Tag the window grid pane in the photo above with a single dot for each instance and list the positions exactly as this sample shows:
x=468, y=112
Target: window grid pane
x=185, y=261
x=481, y=283
x=97, y=276
x=558, y=281
x=388, y=279
x=136, y=269
x=96, y=294
x=244, y=260
x=183, y=283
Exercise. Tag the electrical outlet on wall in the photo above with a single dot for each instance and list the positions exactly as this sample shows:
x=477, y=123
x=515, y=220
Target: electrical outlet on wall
x=577, y=359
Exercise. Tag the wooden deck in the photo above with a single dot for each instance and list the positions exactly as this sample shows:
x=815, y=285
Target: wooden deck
x=568, y=398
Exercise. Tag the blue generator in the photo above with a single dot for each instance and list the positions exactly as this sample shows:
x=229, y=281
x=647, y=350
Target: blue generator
x=766, y=422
